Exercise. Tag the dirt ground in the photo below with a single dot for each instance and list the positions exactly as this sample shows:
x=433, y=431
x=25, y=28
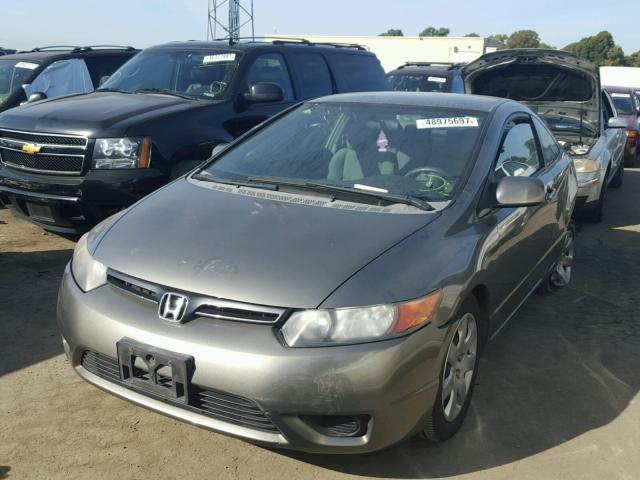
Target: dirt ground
x=557, y=395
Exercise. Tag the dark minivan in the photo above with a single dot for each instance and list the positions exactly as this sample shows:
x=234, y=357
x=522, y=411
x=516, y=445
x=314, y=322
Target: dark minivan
x=68, y=163
x=49, y=72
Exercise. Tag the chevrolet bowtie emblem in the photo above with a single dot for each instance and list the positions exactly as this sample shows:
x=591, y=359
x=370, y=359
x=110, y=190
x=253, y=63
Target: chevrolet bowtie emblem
x=31, y=149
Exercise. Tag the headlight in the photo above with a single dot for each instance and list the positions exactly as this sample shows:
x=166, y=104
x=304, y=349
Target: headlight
x=118, y=153
x=87, y=272
x=585, y=165
x=312, y=328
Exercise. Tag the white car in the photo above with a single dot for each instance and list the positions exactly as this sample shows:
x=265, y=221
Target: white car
x=565, y=91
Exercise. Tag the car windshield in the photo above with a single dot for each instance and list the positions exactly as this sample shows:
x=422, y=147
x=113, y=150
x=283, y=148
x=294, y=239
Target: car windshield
x=413, y=152
x=622, y=102
x=198, y=73
x=419, y=83
x=13, y=74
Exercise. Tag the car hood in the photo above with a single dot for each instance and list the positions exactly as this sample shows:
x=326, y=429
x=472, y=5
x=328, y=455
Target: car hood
x=100, y=113
x=555, y=84
x=253, y=249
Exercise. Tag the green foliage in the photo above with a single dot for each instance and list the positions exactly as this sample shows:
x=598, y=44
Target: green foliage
x=599, y=49
x=472, y=35
x=435, y=32
x=633, y=60
x=524, y=39
x=499, y=37
x=392, y=32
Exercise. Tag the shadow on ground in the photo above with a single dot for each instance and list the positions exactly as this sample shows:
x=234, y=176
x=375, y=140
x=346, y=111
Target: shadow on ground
x=28, y=291
x=566, y=364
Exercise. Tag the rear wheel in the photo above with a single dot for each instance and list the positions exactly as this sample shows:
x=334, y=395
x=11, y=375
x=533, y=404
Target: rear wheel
x=457, y=376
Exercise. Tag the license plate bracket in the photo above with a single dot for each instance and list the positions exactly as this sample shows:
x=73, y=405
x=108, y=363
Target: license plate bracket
x=40, y=211
x=154, y=370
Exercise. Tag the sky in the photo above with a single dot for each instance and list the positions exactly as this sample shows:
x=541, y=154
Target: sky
x=142, y=23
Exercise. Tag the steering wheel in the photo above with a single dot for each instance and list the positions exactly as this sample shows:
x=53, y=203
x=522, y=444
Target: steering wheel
x=215, y=88
x=515, y=165
x=433, y=179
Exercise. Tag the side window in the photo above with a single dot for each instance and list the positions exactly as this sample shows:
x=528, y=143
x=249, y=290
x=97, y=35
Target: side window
x=63, y=77
x=518, y=155
x=358, y=73
x=104, y=66
x=270, y=67
x=550, y=148
x=607, y=109
x=314, y=76
x=457, y=85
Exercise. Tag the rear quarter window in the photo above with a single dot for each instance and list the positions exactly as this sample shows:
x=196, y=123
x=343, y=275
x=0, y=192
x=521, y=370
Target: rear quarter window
x=358, y=73
x=313, y=74
x=104, y=66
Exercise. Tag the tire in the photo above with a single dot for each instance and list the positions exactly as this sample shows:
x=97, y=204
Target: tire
x=184, y=167
x=560, y=275
x=448, y=414
x=618, y=178
x=596, y=214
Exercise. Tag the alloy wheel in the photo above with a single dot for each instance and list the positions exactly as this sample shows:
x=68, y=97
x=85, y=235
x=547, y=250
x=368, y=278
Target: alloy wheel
x=561, y=275
x=459, y=367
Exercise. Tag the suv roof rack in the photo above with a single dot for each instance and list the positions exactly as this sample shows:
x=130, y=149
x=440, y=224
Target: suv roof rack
x=75, y=48
x=449, y=65
x=294, y=41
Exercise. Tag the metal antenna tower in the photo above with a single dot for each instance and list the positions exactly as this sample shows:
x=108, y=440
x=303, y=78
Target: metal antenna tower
x=240, y=15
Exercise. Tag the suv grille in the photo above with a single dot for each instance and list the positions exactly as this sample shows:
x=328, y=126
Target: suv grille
x=212, y=403
x=54, y=154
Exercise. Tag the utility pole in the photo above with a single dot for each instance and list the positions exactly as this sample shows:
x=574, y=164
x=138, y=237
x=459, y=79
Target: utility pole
x=240, y=15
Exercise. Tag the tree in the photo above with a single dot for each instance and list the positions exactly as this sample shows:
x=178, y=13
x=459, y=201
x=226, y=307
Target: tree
x=599, y=49
x=435, y=32
x=499, y=37
x=392, y=32
x=633, y=60
x=524, y=39
x=472, y=35
x=546, y=45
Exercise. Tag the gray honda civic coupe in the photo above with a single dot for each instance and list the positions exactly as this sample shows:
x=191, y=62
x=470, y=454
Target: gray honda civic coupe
x=328, y=281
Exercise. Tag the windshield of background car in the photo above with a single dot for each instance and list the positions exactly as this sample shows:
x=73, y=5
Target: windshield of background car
x=418, y=83
x=411, y=151
x=622, y=102
x=199, y=73
x=13, y=74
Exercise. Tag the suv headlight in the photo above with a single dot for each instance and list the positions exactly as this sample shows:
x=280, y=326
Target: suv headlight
x=314, y=328
x=585, y=165
x=87, y=271
x=118, y=153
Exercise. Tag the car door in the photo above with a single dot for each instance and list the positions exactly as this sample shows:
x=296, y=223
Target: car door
x=268, y=67
x=523, y=236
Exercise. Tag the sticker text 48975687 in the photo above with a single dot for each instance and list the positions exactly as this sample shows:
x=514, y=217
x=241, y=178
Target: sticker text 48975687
x=447, y=122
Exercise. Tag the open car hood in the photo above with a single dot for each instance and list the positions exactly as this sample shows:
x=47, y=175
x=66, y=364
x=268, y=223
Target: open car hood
x=560, y=87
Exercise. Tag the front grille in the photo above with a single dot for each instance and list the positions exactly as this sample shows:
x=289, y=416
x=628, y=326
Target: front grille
x=212, y=403
x=48, y=163
x=56, y=154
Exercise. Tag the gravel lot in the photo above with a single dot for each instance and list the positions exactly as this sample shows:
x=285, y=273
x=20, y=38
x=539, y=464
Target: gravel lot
x=557, y=395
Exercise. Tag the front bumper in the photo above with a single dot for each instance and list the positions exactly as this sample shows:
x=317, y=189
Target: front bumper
x=74, y=204
x=393, y=383
x=589, y=187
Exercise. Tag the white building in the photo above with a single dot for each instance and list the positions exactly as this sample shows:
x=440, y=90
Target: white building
x=395, y=51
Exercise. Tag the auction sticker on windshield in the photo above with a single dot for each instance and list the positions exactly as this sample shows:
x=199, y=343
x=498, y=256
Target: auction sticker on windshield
x=28, y=65
x=447, y=122
x=220, y=57
x=437, y=79
x=620, y=95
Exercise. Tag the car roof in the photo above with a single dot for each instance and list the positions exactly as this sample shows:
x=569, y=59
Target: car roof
x=422, y=99
x=294, y=44
x=46, y=55
x=426, y=68
x=610, y=88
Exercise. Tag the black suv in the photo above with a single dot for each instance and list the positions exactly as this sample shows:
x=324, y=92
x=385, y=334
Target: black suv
x=67, y=163
x=427, y=77
x=48, y=72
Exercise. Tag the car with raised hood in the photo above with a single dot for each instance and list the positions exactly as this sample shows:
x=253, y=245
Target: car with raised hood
x=49, y=72
x=328, y=282
x=68, y=163
x=565, y=92
x=427, y=77
x=627, y=105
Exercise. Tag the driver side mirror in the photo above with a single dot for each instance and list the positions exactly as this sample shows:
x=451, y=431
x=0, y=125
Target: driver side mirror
x=36, y=97
x=519, y=192
x=617, y=122
x=103, y=80
x=264, y=92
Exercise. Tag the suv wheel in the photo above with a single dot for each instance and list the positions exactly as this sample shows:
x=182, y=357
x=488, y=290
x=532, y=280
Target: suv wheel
x=457, y=377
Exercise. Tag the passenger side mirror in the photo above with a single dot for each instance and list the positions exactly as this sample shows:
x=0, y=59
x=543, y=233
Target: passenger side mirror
x=103, y=80
x=519, y=192
x=36, y=97
x=218, y=148
x=617, y=122
x=263, y=92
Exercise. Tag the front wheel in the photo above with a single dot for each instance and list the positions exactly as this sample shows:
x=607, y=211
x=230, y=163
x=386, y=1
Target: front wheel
x=562, y=271
x=457, y=377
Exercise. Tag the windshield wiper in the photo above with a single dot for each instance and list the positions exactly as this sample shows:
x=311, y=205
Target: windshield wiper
x=323, y=187
x=164, y=91
x=207, y=177
x=111, y=90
